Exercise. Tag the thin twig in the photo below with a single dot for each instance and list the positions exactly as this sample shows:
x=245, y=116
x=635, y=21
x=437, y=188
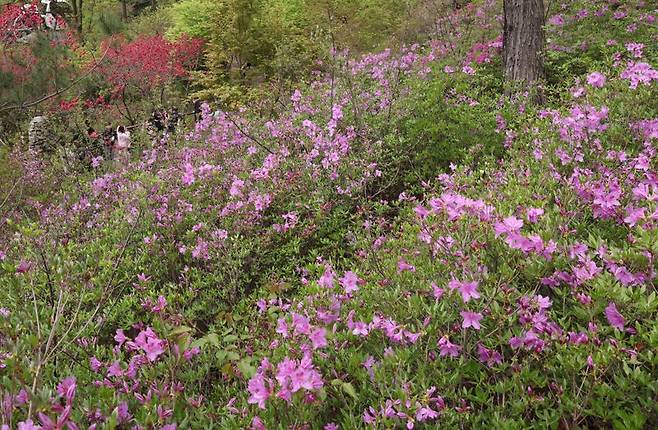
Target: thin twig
x=247, y=135
x=10, y=193
x=100, y=302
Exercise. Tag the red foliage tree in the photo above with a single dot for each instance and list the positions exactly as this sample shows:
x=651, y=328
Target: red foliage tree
x=148, y=62
x=16, y=20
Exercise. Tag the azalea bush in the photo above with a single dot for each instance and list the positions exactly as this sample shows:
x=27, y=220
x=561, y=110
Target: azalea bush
x=485, y=307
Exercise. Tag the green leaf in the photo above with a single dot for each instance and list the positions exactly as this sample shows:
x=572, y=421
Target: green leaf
x=246, y=368
x=213, y=339
x=180, y=330
x=349, y=389
x=230, y=338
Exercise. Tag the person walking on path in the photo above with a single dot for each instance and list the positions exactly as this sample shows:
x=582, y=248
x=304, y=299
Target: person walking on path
x=108, y=143
x=122, y=146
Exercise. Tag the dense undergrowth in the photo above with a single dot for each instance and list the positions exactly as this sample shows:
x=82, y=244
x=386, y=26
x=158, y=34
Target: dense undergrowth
x=397, y=246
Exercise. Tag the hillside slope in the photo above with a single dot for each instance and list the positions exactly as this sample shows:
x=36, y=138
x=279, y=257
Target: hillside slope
x=397, y=246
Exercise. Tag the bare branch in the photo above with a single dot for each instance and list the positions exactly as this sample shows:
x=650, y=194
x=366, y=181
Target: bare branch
x=247, y=135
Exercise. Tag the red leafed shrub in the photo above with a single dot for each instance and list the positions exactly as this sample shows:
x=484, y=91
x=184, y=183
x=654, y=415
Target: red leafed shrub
x=18, y=63
x=16, y=19
x=67, y=105
x=148, y=61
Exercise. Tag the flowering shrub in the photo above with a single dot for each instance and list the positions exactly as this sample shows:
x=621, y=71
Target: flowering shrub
x=461, y=300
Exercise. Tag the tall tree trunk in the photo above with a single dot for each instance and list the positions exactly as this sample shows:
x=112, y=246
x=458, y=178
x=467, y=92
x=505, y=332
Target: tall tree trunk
x=79, y=17
x=124, y=10
x=523, y=43
x=76, y=8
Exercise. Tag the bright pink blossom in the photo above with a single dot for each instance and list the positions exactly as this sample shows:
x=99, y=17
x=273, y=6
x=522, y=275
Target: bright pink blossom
x=448, y=348
x=349, y=282
x=614, y=317
x=327, y=278
x=471, y=319
x=259, y=390
x=318, y=337
x=596, y=79
x=468, y=290
x=149, y=342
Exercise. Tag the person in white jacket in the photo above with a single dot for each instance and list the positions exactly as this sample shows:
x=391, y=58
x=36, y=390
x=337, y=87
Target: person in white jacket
x=122, y=145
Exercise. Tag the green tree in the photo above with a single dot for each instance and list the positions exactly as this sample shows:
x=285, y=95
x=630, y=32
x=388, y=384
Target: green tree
x=191, y=17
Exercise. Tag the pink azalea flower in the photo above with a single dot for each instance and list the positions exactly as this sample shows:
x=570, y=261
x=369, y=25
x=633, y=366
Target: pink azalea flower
x=639, y=73
x=67, y=389
x=23, y=267
x=296, y=96
x=28, y=425
x=95, y=364
x=360, y=329
x=421, y=212
x=318, y=338
x=22, y=397
x=115, y=370
x=543, y=302
x=509, y=225
x=490, y=357
x=258, y=390
x=634, y=215
x=327, y=278
x=301, y=324
x=188, y=175
x=578, y=92
x=426, y=414
x=162, y=304
x=534, y=214
x=149, y=342
x=411, y=337
x=191, y=353
x=556, y=20
x=471, y=319
x=123, y=413
x=349, y=281
x=468, y=290
x=282, y=327
x=294, y=376
x=403, y=266
x=588, y=270
x=614, y=317
x=635, y=49
x=120, y=338
x=622, y=274
x=236, y=188
x=448, y=348
x=596, y=79
x=257, y=424
x=438, y=292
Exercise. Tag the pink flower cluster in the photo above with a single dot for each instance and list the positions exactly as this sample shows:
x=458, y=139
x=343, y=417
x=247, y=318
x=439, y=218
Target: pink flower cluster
x=291, y=375
x=639, y=73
